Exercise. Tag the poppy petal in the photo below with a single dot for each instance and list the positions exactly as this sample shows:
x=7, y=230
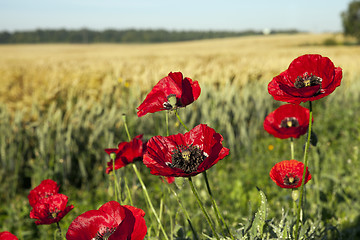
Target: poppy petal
x=289, y=174
x=205, y=143
x=185, y=90
x=308, y=78
x=296, y=115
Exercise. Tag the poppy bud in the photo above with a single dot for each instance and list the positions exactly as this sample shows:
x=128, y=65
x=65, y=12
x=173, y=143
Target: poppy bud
x=113, y=156
x=172, y=100
x=295, y=194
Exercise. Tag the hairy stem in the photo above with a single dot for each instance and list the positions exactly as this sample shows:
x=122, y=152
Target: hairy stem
x=217, y=212
x=202, y=208
x=304, y=174
x=167, y=122
x=116, y=189
x=144, y=187
x=59, y=229
x=149, y=201
x=292, y=148
x=184, y=211
x=182, y=123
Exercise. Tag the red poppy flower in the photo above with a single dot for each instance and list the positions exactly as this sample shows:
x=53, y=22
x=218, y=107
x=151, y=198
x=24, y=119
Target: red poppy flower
x=7, y=236
x=45, y=189
x=289, y=173
x=127, y=152
x=170, y=93
x=133, y=226
x=185, y=155
x=308, y=78
x=287, y=121
x=51, y=209
x=112, y=221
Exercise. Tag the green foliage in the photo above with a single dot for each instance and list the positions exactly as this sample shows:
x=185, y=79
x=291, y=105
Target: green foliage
x=260, y=217
x=255, y=225
x=351, y=20
x=259, y=227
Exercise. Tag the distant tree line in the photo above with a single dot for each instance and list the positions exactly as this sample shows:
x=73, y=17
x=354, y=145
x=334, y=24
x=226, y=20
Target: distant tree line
x=351, y=20
x=117, y=36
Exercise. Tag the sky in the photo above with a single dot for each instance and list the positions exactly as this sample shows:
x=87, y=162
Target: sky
x=230, y=15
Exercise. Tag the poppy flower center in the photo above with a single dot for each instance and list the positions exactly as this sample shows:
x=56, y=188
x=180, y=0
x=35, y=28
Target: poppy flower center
x=171, y=102
x=291, y=179
x=187, y=159
x=53, y=215
x=289, y=122
x=104, y=233
x=307, y=81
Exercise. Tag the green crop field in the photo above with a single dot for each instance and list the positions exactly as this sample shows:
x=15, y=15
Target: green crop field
x=62, y=105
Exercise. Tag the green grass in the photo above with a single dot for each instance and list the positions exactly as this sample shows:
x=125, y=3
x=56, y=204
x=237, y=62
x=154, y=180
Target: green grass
x=65, y=141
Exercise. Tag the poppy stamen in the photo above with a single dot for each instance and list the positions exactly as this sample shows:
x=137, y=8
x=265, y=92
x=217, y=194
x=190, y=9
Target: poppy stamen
x=187, y=159
x=291, y=179
x=307, y=81
x=54, y=214
x=105, y=233
x=289, y=122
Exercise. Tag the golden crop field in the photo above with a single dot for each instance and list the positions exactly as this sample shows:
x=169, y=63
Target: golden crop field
x=61, y=105
x=39, y=73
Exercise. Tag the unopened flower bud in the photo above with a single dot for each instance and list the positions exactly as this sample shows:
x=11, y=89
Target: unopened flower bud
x=295, y=194
x=113, y=156
x=172, y=100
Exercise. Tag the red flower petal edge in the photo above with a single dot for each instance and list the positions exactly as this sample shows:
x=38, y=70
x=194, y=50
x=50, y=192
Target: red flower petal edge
x=133, y=226
x=183, y=91
x=7, y=236
x=308, y=78
x=289, y=174
x=127, y=152
x=170, y=179
x=184, y=155
x=51, y=209
x=112, y=221
x=287, y=121
x=45, y=189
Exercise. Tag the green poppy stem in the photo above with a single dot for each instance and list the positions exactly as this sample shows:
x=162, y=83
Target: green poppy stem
x=117, y=191
x=167, y=122
x=115, y=180
x=304, y=173
x=292, y=148
x=149, y=201
x=184, y=211
x=60, y=233
x=202, y=208
x=147, y=197
x=126, y=127
x=172, y=190
x=182, y=123
x=128, y=191
x=160, y=216
x=217, y=212
x=294, y=197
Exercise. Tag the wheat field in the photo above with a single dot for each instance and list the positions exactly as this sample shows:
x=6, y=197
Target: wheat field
x=61, y=105
x=39, y=73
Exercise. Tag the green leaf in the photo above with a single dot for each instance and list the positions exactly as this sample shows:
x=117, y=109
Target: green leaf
x=260, y=216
